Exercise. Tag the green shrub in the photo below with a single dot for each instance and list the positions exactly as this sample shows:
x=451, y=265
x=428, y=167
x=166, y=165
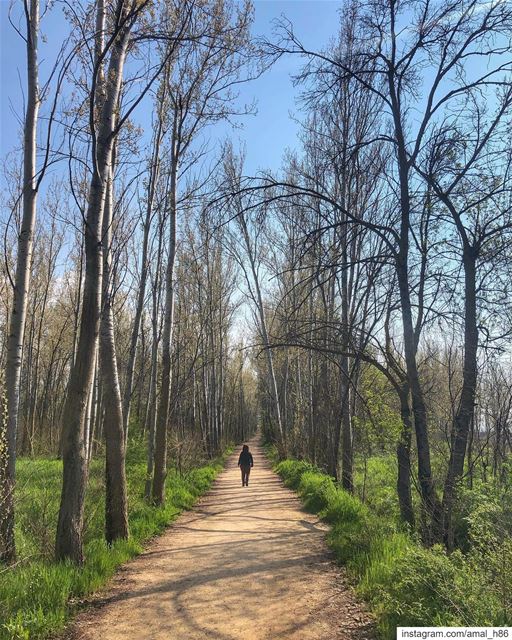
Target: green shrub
x=380, y=562
x=376, y=485
x=344, y=507
x=271, y=452
x=419, y=589
x=291, y=471
x=317, y=490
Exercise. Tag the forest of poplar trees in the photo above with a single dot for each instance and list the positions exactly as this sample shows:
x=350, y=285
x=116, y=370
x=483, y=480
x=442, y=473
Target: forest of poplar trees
x=354, y=306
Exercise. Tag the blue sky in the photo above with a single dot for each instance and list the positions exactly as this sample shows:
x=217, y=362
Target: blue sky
x=265, y=135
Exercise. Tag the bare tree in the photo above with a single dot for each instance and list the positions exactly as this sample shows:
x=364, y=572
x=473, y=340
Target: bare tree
x=32, y=178
x=104, y=98
x=462, y=172
x=390, y=65
x=201, y=92
x=154, y=169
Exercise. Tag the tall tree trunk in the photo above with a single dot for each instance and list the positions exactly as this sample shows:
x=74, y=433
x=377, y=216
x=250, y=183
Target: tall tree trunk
x=403, y=452
x=34, y=396
x=346, y=405
x=466, y=408
x=69, y=542
x=347, y=453
x=141, y=294
x=151, y=413
x=160, y=467
x=428, y=493
x=116, y=501
x=21, y=284
x=426, y=482
x=26, y=383
x=310, y=378
x=92, y=412
x=76, y=327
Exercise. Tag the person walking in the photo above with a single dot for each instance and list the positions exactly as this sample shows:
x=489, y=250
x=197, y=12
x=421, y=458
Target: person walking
x=245, y=462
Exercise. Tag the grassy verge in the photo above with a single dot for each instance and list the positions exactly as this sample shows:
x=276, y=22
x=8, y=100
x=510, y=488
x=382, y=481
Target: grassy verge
x=406, y=584
x=38, y=596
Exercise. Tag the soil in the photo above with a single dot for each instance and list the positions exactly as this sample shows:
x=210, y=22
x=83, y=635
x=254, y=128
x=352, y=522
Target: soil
x=246, y=562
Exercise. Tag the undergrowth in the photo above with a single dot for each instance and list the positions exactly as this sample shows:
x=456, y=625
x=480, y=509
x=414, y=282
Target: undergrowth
x=405, y=583
x=37, y=596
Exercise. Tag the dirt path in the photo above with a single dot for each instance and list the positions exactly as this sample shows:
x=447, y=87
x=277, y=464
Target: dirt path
x=244, y=563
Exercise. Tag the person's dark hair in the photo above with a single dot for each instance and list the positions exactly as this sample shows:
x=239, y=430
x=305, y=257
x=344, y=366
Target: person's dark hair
x=245, y=447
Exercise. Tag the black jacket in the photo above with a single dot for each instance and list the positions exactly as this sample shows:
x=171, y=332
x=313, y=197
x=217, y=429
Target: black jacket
x=245, y=459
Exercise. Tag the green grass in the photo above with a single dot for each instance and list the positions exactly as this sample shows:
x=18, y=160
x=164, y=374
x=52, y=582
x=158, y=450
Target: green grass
x=38, y=596
x=406, y=584
x=375, y=482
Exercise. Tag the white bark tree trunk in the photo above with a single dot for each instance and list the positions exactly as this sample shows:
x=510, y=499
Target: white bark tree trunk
x=116, y=500
x=21, y=286
x=75, y=469
x=160, y=466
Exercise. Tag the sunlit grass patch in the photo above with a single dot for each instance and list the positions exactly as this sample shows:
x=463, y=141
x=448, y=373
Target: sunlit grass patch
x=405, y=583
x=37, y=596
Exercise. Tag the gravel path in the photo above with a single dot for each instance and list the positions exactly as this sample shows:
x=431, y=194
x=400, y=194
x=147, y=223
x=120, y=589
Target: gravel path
x=244, y=563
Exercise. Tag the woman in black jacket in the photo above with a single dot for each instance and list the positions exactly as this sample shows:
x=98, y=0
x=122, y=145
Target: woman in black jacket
x=245, y=462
